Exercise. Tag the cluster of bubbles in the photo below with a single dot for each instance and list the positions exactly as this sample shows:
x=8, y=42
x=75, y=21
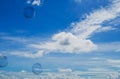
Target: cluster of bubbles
x=36, y=68
x=3, y=61
x=29, y=10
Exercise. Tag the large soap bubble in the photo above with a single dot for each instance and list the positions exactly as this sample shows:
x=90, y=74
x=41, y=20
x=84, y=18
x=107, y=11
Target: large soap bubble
x=36, y=68
x=29, y=12
x=3, y=61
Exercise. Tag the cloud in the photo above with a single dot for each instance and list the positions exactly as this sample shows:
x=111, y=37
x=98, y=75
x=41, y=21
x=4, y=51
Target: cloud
x=66, y=42
x=99, y=70
x=109, y=47
x=114, y=62
x=118, y=50
x=14, y=39
x=92, y=23
x=23, y=71
x=77, y=1
x=35, y=2
x=77, y=40
x=28, y=2
x=105, y=29
x=58, y=75
x=105, y=64
x=65, y=70
x=63, y=42
x=27, y=54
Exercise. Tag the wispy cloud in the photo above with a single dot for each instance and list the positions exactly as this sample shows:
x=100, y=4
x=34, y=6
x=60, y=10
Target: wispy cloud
x=99, y=70
x=77, y=1
x=105, y=29
x=118, y=50
x=15, y=39
x=109, y=47
x=114, y=62
x=77, y=40
x=105, y=64
x=55, y=75
x=27, y=54
x=35, y=2
x=65, y=70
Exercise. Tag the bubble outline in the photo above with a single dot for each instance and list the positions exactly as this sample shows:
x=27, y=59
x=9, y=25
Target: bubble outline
x=5, y=60
x=37, y=64
x=32, y=9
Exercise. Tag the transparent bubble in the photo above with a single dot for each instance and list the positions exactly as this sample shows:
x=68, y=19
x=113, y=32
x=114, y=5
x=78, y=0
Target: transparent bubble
x=3, y=61
x=29, y=12
x=36, y=68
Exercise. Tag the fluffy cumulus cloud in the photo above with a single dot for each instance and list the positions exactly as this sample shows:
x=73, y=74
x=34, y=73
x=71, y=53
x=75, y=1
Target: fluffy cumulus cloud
x=77, y=40
x=66, y=42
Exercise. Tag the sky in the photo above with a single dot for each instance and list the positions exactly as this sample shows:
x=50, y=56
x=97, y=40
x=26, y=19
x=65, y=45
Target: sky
x=63, y=35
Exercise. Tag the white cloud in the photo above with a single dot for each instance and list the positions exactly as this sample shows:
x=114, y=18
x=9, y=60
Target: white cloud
x=104, y=64
x=23, y=71
x=66, y=42
x=92, y=23
x=35, y=2
x=109, y=47
x=15, y=39
x=28, y=1
x=114, y=62
x=99, y=70
x=77, y=39
x=65, y=70
x=28, y=54
x=105, y=29
x=57, y=75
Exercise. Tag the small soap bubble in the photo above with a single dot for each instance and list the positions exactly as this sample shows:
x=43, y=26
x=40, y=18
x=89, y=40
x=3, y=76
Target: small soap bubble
x=3, y=61
x=29, y=12
x=37, y=68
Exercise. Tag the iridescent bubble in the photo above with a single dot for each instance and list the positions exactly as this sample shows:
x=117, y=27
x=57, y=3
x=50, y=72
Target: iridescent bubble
x=36, y=68
x=3, y=61
x=29, y=12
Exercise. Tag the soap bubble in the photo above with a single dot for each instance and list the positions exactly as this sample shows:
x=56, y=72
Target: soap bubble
x=29, y=12
x=3, y=61
x=36, y=68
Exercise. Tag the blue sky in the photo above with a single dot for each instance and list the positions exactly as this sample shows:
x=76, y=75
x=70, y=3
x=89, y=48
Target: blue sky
x=83, y=35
